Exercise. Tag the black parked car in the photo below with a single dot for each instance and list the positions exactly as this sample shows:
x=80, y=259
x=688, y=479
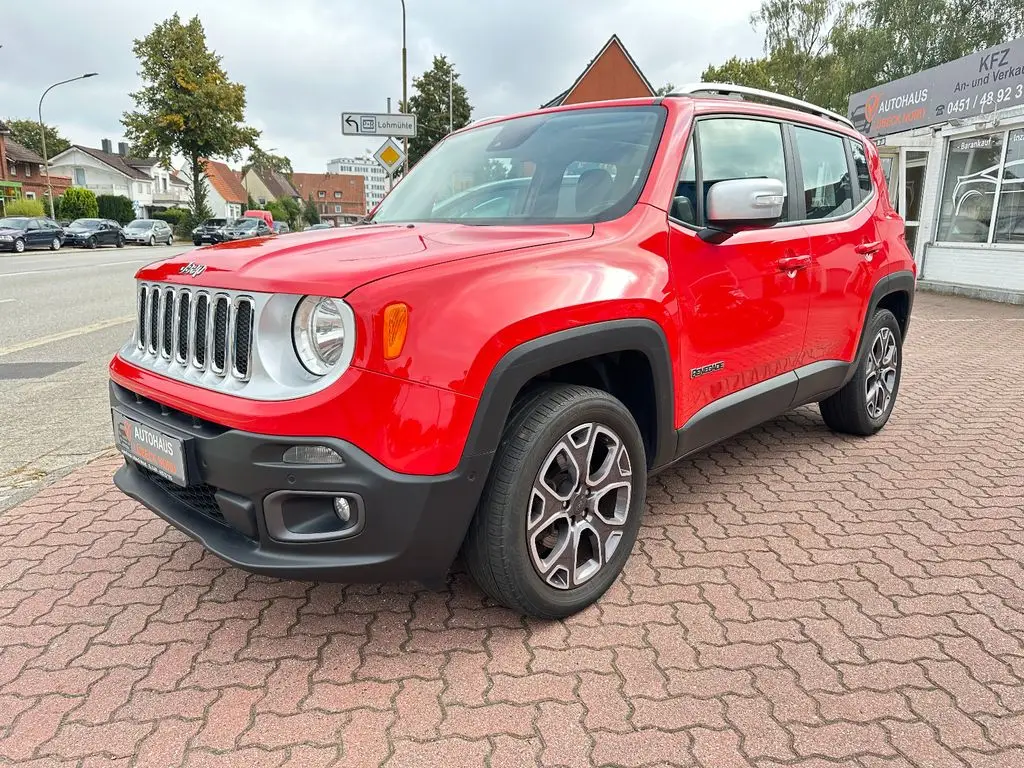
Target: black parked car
x=89, y=233
x=211, y=231
x=18, y=233
x=281, y=228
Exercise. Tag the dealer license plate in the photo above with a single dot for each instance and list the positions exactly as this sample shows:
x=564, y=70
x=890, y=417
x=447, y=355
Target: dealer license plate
x=151, y=448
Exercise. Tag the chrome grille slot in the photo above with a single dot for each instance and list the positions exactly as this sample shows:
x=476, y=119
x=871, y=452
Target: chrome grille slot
x=166, y=322
x=183, y=316
x=220, y=324
x=140, y=321
x=154, y=319
x=199, y=337
x=241, y=337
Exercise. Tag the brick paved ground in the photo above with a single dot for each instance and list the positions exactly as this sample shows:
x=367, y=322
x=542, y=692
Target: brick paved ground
x=795, y=599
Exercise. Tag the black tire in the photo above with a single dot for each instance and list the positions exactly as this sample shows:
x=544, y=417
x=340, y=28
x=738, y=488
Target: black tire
x=170, y=240
x=19, y=245
x=55, y=244
x=496, y=550
x=120, y=242
x=848, y=410
x=90, y=243
x=152, y=241
x=197, y=243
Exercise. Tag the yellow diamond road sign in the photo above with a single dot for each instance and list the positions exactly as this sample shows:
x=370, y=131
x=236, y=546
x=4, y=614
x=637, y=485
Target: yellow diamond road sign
x=390, y=156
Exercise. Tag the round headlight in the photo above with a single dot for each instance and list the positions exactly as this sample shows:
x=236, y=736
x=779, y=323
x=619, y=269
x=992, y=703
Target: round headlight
x=319, y=334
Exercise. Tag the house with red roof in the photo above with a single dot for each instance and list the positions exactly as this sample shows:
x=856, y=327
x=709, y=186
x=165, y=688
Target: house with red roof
x=340, y=198
x=612, y=74
x=225, y=196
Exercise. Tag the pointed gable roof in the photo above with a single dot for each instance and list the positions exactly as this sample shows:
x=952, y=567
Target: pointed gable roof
x=223, y=179
x=612, y=74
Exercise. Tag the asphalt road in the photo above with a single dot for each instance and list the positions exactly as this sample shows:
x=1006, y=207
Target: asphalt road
x=62, y=317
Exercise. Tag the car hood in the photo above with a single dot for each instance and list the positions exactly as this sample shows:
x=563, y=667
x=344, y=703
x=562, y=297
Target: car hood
x=337, y=261
x=79, y=230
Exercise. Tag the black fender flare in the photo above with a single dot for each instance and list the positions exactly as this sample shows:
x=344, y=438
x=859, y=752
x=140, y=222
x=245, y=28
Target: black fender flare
x=537, y=356
x=902, y=281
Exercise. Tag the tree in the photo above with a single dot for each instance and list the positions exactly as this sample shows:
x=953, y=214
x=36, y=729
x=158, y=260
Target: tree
x=24, y=207
x=430, y=105
x=309, y=212
x=27, y=133
x=286, y=209
x=665, y=90
x=187, y=105
x=116, y=207
x=264, y=161
x=79, y=203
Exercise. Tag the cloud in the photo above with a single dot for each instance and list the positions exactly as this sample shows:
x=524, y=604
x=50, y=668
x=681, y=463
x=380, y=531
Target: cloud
x=306, y=61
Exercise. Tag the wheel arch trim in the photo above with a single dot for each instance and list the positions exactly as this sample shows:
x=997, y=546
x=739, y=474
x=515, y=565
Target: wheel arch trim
x=902, y=281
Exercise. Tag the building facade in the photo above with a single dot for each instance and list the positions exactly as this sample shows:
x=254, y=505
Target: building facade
x=339, y=197
x=143, y=180
x=265, y=186
x=22, y=174
x=951, y=141
x=225, y=195
x=375, y=180
x=612, y=74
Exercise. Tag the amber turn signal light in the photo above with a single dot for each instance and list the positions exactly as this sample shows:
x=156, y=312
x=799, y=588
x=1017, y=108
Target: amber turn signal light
x=396, y=325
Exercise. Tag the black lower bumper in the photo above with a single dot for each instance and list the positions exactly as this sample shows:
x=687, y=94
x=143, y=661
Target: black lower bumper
x=247, y=505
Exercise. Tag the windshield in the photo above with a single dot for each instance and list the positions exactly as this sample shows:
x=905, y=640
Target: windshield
x=215, y=222
x=14, y=222
x=578, y=166
x=245, y=224
x=140, y=224
x=86, y=223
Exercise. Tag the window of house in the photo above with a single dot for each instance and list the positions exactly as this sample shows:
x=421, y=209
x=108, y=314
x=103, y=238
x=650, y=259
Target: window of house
x=30, y=195
x=79, y=177
x=860, y=164
x=337, y=209
x=12, y=169
x=321, y=193
x=828, y=191
x=337, y=195
x=28, y=170
x=969, y=188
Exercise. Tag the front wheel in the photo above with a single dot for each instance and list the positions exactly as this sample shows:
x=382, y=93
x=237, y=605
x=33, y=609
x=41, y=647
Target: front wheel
x=19, y=245
x=562, y=506
x=90, y=243
x=55, y=244
x=864, y=405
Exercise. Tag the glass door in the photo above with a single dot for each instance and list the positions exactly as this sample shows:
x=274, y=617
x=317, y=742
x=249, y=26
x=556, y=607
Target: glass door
x=912, y=172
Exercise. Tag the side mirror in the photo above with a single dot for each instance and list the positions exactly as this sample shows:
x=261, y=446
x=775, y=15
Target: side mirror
x=745, y=202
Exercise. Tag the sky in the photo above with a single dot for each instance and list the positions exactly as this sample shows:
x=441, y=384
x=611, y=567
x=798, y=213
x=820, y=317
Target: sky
x=303, y=62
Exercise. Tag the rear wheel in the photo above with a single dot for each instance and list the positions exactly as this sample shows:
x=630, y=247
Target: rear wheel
x=562, y=506
x=152, y=240
x=170, y=239
x=120, y=241
x=864, y=405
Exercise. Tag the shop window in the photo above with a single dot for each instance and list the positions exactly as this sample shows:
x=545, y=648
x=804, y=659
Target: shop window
x=1010, y=210
x=828, y=191
x=969, y=188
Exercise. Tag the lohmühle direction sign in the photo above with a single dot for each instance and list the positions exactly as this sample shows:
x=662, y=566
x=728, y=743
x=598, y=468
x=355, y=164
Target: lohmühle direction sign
x=378, y=124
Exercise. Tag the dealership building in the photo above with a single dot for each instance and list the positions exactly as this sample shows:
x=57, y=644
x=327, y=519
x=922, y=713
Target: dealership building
x=951, y=140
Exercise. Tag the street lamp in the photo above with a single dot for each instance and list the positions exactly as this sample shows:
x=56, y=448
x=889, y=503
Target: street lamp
x=405, y=90
x=42, y=133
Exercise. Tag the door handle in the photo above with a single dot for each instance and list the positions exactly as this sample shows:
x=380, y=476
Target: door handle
x=793, y=263
x=866, y=249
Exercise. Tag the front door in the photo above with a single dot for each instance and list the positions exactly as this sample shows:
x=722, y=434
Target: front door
x=744, y=301
x=35, y=235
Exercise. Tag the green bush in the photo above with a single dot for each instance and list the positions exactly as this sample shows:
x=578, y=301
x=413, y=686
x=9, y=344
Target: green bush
x=78, y=203
x=25, y=207
x=116, y=207
x=178, y=218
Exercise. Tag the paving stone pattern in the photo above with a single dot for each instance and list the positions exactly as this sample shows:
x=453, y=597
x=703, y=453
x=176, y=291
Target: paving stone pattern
x=795, y=599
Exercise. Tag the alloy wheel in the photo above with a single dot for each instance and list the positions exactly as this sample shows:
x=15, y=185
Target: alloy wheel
x=19, y=246
x=882, y=373
x=579, y=504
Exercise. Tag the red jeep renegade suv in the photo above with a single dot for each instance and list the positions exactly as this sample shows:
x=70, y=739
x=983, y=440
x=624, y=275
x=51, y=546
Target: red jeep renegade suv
x=550, y=308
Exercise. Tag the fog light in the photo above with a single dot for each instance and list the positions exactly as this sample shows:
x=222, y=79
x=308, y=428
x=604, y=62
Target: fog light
x=311, y=454
x=342, y=509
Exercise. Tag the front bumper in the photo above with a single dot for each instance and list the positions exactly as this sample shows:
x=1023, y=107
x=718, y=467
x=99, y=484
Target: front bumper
x=244, y=502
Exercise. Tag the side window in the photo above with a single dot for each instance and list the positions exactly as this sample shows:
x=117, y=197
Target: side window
x=860, y=164
x=828, y=191
x=734, y=148
x=684, y=201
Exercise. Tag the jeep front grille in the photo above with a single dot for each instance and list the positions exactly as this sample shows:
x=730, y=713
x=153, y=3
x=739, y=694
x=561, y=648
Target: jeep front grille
x=205, y=330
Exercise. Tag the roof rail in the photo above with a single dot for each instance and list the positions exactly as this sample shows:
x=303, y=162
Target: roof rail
x=725, y=89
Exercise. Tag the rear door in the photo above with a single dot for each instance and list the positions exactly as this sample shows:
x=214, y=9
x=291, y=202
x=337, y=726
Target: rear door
x=840, y=205
x=744, y=301
x=35, y=235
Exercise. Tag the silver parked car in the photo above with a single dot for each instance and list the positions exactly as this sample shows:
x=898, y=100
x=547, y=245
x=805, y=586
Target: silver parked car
x=149, y=232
